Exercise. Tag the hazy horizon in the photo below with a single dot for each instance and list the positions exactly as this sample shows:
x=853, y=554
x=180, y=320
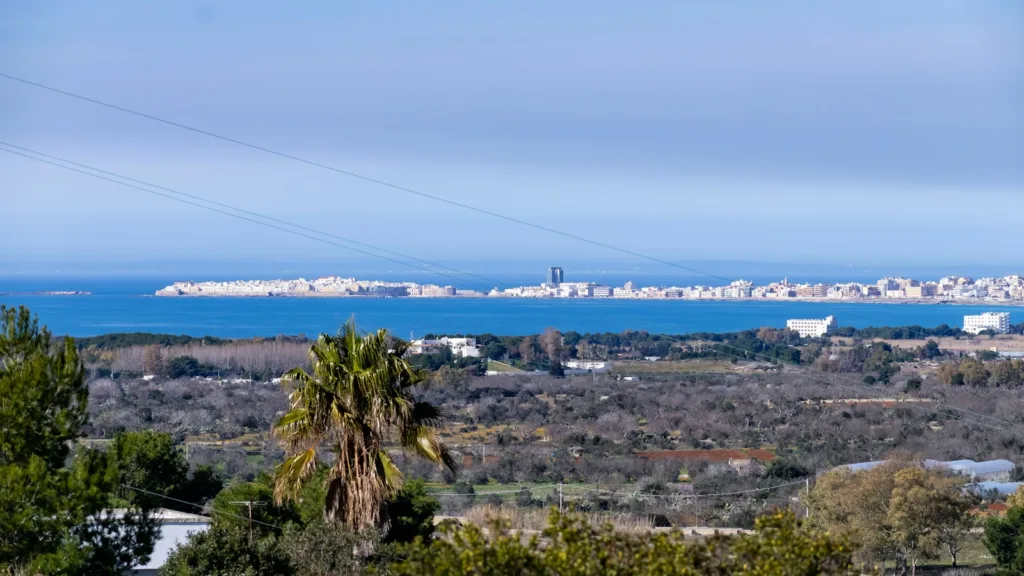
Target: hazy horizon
x=503, y=272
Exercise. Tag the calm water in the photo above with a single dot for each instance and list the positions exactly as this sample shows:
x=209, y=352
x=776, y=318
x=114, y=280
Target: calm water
x=124, y=307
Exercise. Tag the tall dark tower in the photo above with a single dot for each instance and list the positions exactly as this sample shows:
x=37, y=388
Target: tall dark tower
x=554, y=275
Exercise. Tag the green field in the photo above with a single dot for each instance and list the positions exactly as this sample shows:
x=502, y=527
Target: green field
x=508, y=491
x=495, y=366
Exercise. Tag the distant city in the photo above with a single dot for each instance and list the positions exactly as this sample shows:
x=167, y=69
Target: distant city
x=1004, y=290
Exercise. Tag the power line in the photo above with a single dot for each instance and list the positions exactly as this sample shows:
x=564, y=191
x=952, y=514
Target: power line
x=200, y=506
x=244, y=211
x=361, y=177
x=231, y=214
x=356, y=175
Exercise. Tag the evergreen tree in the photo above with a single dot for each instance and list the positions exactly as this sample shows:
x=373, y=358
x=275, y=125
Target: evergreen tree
x=55, y=516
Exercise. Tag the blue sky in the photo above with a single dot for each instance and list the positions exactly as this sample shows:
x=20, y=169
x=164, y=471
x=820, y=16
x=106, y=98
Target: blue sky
x=864, y=132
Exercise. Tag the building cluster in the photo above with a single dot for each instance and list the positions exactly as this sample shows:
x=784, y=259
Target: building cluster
x=950, y=288
x=326, y=286
x=998, y=322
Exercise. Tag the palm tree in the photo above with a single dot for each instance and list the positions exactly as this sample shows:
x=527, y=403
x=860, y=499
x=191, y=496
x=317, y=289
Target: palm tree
x=357, y=400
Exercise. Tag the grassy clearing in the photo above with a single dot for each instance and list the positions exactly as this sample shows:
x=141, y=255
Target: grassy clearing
x=629, y=367
x=506, y=492
x=495, y=366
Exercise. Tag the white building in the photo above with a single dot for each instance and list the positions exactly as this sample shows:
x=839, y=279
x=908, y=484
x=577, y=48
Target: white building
x=995, y=321
x=591, y=365
x=813, y=328
x=463, y=347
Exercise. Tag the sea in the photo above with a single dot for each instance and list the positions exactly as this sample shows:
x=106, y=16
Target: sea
x=128, y=305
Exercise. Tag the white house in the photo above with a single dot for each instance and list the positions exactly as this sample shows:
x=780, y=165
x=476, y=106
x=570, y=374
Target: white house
x=813, y=328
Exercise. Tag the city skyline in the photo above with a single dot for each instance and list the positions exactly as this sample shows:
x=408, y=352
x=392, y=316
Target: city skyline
x=952, y=288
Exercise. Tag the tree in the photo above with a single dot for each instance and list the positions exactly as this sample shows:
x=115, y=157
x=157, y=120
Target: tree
x=187, y=367
x=56, y=517
x=1016, y=500
x=974, y=372
x=412, y=513
x=153, y=362
x=322, y=548
x=556, y=369
x=930, y=350
x=228, y=549
x=152, y=472
x=528, y=349
x=1005, y=374
x=784, y=469
x=357, y=398
x=896, y=510
x=926, y=506
x=947, y=372
x=953, y=533
x=1004, y=539
x=551, y=342
x=524, y=498
x=148, y=461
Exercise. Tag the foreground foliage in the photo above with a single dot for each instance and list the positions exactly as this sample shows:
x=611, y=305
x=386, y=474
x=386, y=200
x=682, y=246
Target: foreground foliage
x=295, y=538
x=56, y=517
x=781, y=546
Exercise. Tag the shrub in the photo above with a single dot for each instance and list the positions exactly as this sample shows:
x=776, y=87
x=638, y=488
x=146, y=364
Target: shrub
x=570, y=545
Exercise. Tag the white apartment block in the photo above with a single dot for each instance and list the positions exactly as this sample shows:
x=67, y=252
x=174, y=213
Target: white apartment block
x=996, y=321
x=813, y=328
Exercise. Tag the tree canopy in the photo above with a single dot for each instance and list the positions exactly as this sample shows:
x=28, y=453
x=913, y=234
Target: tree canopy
x=55, y=516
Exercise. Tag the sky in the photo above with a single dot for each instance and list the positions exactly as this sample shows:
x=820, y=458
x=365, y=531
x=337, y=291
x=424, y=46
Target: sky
x=792, y=131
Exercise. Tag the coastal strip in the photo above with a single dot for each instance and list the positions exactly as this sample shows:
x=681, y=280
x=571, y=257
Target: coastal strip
x=1007, y=290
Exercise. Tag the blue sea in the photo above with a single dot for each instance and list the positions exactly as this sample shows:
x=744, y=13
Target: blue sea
x=128, y=306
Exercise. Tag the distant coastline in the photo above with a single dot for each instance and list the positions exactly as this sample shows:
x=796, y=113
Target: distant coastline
x=481, y=296
x=1008, y=290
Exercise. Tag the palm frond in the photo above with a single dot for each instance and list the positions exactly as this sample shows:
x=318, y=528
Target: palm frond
x=290, y=475
x=389, y=473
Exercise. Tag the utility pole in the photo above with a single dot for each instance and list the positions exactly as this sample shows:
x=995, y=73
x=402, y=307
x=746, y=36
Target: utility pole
x=249, y=504
x=559, y=495
x=807, y=486
x=696, y=517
